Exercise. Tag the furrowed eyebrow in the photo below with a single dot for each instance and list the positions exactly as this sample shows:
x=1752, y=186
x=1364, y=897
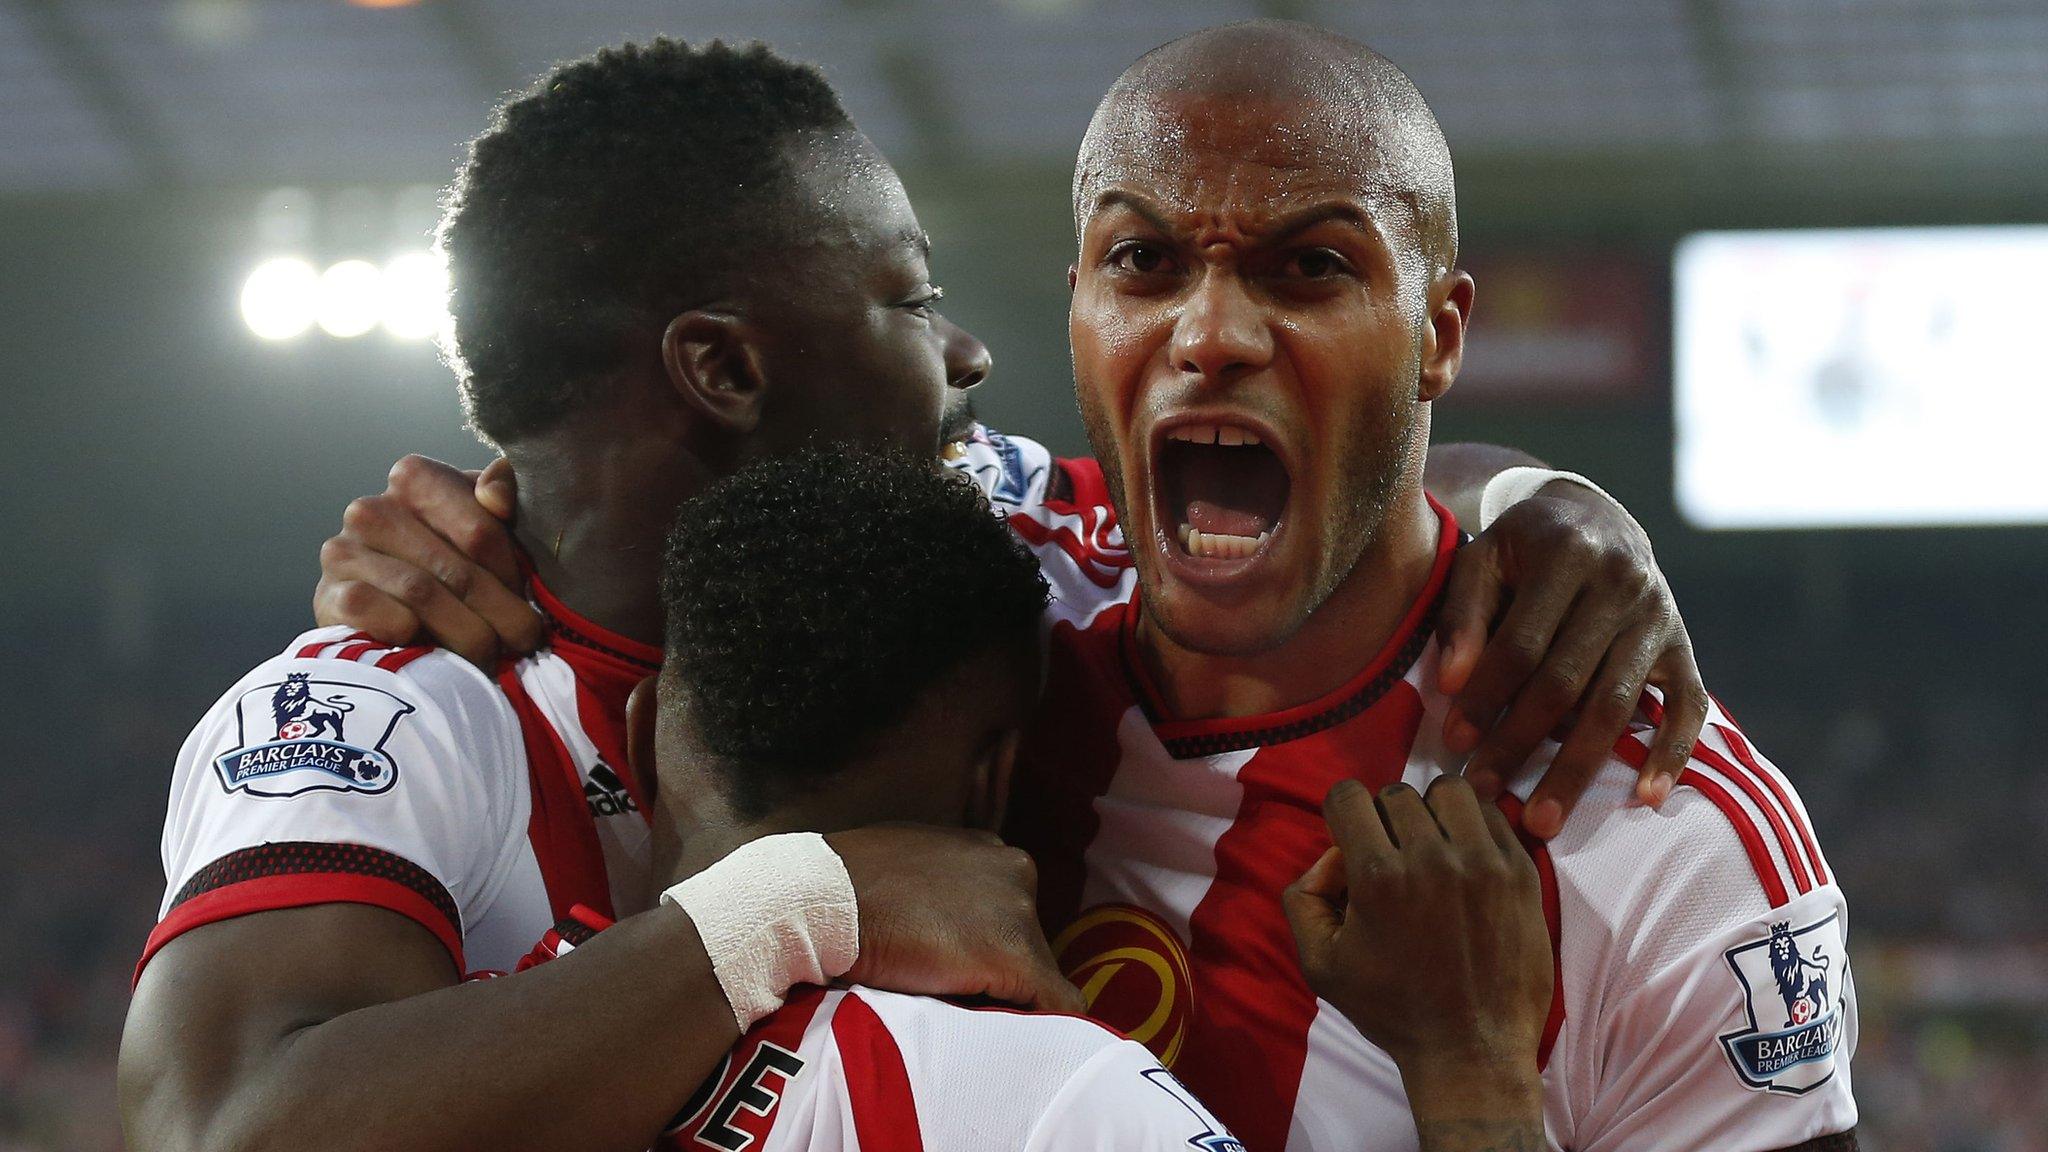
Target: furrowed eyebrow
x=918, y=239
x=1340, y=211
x=1286, y=228
x=1135, y=203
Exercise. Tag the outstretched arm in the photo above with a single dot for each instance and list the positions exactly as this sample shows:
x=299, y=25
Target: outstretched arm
x=1557, y=612
x=341, y=1026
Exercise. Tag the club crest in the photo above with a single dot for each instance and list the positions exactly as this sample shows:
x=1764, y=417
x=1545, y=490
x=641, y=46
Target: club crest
x=304, y=735
x=1791, y=982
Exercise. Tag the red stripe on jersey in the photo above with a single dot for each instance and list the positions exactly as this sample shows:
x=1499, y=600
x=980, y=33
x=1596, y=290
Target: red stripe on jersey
x=877, y=1083
x=1632, y=750
x=1553, y=918
x=602, y=715
x=1742, y=780
x=355, y=651
x=1069, y=755
x=313, y=651
x=1101, y=565
x=1248, y=1035
x=563, y=836
x=393, y=661
x=1749, y=759
x=301, y=890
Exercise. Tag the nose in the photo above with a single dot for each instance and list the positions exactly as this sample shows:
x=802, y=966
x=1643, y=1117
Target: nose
x=1221, y=332
x=967, y=359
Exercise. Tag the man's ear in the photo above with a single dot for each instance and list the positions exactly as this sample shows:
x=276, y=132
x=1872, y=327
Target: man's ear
x=991, y=798
x=713, y=364
x=640, y=719
x=1443, y=340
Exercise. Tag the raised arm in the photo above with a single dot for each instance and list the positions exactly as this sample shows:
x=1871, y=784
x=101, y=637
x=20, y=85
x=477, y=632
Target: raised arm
x=1557, y=613
x=342, y=1026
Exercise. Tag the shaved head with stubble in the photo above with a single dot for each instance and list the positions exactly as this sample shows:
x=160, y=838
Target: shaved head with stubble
x=1268, y=242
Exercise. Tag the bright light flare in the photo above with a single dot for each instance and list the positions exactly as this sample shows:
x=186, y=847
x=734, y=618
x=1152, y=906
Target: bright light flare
x=415, y=302
x=279, y=298
x=350, y=298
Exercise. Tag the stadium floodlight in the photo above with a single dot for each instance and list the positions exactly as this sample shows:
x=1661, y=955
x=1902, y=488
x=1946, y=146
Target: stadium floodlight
x=350, y=298
x=415, y=295
x=278, y=298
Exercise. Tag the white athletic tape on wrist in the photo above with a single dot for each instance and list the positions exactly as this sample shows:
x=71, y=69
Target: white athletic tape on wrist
x=1511, y=486
x=775, y=913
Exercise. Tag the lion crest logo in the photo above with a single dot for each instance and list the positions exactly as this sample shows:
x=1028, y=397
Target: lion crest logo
x=293, y=736
x=1792, y=981
x=1802, y=981
x=299, y=714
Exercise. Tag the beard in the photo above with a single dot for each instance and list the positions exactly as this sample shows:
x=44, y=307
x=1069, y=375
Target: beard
x=1383, y=452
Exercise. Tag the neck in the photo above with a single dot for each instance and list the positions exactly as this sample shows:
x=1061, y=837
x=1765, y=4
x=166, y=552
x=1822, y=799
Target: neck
x=1340, y=636
x=700, y=833
x=594, y=511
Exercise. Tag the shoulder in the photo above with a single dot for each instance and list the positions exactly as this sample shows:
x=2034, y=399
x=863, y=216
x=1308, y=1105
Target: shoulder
x=1013, y=471
x=1734, y=827
x=1079, y=544
x=947, y=1051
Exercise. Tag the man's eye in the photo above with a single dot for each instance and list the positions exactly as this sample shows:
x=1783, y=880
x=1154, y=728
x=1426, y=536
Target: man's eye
x=1141, y=257
x=925, y=304
x=1316, y=264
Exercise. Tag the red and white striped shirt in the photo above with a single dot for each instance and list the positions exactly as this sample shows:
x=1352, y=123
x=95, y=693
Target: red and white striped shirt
x=1702, y=992
x=482, y=808
x=847, y=1070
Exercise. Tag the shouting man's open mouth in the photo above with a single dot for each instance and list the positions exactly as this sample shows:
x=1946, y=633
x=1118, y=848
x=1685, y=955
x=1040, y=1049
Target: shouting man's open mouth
x=1220, y=492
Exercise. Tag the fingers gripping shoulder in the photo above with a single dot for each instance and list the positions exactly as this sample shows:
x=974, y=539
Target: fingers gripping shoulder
x=408, y=757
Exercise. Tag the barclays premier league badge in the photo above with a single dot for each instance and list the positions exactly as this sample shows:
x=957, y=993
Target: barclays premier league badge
x=305, y=735
x=1791, y=981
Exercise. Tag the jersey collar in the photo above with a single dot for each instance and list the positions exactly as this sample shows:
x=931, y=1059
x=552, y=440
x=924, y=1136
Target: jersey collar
x=591, y=648
x=1189, y=739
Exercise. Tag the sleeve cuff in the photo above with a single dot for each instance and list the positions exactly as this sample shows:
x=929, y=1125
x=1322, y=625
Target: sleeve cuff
x=297, y=875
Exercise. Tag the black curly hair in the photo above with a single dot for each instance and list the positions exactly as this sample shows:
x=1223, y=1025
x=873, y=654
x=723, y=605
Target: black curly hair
x=618, y=190
x=813, y=597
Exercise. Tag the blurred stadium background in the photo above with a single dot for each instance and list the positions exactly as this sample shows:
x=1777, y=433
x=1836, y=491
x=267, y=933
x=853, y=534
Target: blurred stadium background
x=168, y=473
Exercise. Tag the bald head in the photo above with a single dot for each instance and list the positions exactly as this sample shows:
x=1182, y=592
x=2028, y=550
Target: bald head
x=1344, y=103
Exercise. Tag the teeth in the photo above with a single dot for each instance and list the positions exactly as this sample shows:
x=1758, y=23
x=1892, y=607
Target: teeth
x=1228, y=435
x=1221, y=545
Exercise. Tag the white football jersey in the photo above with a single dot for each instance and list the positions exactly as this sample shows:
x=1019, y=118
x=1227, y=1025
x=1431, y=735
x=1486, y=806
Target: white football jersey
x=861, y=1070
x=482, y=807
x=343, y=771
x=1703, y=996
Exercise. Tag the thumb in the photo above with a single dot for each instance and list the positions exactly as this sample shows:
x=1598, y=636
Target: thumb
x=497, y=489
x=1472, y=598
x=1038, y=982
x=1312, y=904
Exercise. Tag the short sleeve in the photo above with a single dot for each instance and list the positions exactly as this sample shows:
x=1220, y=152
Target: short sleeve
x=1709, y=996
x=342, y=772
x=1122, y=1099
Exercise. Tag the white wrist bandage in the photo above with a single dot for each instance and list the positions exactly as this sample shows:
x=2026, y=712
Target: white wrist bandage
x=777, y=912
x=1514, y=485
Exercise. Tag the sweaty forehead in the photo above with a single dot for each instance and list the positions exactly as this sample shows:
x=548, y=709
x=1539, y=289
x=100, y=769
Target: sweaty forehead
x=1201, y=152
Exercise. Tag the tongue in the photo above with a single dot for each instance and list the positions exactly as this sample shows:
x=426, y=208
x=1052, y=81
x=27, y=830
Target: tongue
x=1207, y=517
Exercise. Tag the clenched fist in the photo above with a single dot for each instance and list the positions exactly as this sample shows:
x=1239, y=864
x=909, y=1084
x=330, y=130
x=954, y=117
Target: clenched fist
x=1423, y=924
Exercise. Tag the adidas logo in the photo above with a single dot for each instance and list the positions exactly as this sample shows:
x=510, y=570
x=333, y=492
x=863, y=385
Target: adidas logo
x=606, y=793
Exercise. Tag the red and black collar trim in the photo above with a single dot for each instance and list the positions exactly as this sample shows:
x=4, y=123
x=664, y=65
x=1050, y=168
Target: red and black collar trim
x=1192, y=739
x=566, y=627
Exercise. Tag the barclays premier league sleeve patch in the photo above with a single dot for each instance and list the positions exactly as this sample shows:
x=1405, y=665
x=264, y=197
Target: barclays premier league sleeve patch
x=1791, y=981
x=304, y=735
